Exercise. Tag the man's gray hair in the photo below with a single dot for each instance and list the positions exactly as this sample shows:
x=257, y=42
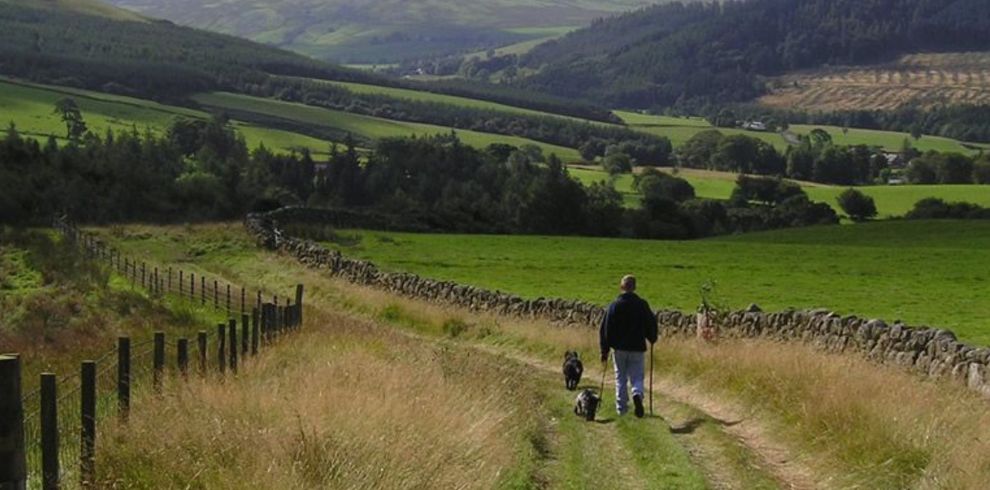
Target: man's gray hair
x=628, y=283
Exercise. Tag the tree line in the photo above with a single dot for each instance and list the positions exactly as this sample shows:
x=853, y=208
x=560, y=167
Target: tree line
x=817, y=159
x=203, y=170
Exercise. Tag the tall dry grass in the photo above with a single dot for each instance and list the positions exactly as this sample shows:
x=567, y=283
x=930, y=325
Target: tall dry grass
x=343, y=405
x=876, y=427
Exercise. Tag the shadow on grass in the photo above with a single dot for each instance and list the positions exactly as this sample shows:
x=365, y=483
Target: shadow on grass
x=691, y=425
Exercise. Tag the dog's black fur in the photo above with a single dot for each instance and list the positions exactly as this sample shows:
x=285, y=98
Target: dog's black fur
x=572, y=370
x=586, y=404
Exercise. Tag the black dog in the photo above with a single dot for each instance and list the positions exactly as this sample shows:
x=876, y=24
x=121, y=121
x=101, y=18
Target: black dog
x=572, y=370
x=586, y=404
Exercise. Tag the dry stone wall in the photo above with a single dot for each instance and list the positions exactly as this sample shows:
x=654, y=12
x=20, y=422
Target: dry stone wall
x=931, y=352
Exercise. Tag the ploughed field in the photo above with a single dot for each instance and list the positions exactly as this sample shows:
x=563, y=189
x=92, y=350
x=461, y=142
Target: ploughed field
x=921, y=272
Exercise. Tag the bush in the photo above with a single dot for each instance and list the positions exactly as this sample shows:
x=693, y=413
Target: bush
x=857, y=205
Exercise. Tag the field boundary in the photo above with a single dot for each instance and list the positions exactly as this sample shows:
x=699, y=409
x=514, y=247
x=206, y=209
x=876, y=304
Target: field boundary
x=51, y=432
x=933, y=353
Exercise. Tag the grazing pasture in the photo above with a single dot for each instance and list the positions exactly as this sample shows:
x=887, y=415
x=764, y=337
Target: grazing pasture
x=30, y=108
x=681, y=129
x=922, y=272
x=891, y=200
x=365, y=126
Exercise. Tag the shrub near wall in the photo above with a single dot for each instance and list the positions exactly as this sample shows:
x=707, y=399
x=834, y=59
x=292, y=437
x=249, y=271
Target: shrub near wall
x=934, y=353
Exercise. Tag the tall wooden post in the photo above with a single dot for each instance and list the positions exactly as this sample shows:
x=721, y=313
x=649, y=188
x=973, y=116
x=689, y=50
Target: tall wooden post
x=299, y=305
x=216, y=294
x=228, y=299
x=159, y=361
x=123, y=376
x=49, y=432
x=87, y=453
x=182, y=291
x=245, y=335
x=182, y=356
x=202, y=289
x=201, y=342
x=13, y=463
x=255, y=331
x=232, y=330
x=221, y=342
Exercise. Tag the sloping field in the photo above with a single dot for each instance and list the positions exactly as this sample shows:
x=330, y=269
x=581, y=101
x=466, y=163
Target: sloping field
x=365, y=126
x=891, y=200
x=30, y=107
x=920, y=79
x=681, y=129
x=919, y=272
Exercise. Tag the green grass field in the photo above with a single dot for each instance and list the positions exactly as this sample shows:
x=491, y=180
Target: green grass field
x=423, y=96
x=366, y=126
x=920, y=272
x=891, y=201
x=679, y=130
x=30, y=107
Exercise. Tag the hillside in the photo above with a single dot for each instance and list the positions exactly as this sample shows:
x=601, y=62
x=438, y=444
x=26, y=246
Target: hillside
x=63, y=43
x=697, y=53
x=382, y=31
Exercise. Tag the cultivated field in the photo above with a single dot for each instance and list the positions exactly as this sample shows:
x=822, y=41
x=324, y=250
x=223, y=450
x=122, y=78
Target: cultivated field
x=920, y=79
x=30, y=107
x=365, y=126
x=920, y=272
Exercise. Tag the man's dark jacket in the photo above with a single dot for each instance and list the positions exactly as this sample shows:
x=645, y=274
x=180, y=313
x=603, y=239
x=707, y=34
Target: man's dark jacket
x=628, y=324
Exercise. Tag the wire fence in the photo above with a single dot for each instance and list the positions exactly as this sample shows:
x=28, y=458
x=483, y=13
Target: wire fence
x=58, y=419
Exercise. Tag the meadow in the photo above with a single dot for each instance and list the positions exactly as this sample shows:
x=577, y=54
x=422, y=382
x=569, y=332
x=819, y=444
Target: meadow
x=681, y=129
x=917, y=271
x=365, y=126
x=746, y=414
x=31, y=108
x=892, y=200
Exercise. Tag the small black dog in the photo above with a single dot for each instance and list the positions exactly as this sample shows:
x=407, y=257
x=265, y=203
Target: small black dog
x=572, y=370
x=586, y=404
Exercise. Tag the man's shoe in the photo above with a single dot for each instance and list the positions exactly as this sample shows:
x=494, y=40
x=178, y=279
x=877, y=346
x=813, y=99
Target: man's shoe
x=638, y=401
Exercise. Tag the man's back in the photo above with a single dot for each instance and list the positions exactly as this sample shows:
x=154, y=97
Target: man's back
x=628, y=324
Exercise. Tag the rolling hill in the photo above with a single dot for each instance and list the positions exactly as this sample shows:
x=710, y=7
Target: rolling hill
x=716, y=53
x=382, y=31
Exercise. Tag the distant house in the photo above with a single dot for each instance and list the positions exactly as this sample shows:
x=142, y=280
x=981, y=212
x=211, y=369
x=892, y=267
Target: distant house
x=894, y=160
x=754, y=125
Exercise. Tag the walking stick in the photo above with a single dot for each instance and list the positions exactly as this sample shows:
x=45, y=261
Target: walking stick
x=651, y=377
x=604, y=372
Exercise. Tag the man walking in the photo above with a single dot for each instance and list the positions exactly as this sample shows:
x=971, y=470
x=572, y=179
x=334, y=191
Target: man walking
x=628, y=324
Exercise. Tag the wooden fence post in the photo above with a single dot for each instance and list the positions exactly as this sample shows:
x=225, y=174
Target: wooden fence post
x=142, y=274
x=13, y=463
x=233, y=345
x=182, y=356
x=228, y=299
x=245, y=335
x=243, y=301
x=87, y=453
x=201, y=342
x=49, y=432
x=202, y=289
x=159, y=361
x=259, y=303
x=221, y=342
x=299, y=304
x=216, y=294
x=181, y=283
x=123, y=376
x=157, y=289
x=169, y=288
x=192, y=287
x=255, y=331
